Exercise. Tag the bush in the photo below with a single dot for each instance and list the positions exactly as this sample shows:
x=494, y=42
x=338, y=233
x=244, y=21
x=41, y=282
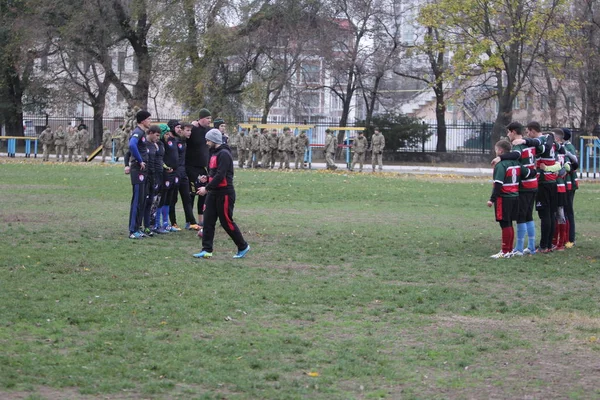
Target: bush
x=399, y=130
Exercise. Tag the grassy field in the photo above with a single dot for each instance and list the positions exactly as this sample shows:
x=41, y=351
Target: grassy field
x=358, y=286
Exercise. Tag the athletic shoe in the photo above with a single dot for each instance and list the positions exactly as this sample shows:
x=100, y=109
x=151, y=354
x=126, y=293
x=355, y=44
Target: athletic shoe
x=242, y=253
x=528, y=252
x=162, y=230
x=142, y=234
x=135, y=235
x=516, y=253
x=175, y=228
x=544, y=251
x=192, y=227
x=569, y=245
x=501, y=255
x=148, y=232
x=558, y=248
x=202, y=254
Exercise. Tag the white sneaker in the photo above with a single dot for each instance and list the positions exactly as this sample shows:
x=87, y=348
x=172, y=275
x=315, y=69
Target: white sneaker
x=498, y=255
x=517, y=253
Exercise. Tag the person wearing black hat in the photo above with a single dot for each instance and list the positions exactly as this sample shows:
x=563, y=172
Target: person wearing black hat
x=138, y=173
x=196, y=156
x=220, y=197
x=222, y=127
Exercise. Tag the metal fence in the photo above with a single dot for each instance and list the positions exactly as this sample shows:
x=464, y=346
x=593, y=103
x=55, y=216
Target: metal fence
x=461, y=137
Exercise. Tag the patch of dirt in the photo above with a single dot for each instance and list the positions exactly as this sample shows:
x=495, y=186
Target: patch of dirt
x=38, y=218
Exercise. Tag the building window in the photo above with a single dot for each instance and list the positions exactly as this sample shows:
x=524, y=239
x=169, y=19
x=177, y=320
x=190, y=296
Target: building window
x=336, y=102
x=449, y=106
x=516, y=103
x=311, y=73
x=311, y=100
x=543, y=102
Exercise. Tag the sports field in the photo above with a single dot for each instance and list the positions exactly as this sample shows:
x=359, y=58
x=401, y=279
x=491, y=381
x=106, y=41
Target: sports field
x=358, y=286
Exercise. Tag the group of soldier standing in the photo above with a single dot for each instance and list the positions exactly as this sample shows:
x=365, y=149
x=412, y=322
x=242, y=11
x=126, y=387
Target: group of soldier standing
x=261, y=149
x=74, y=143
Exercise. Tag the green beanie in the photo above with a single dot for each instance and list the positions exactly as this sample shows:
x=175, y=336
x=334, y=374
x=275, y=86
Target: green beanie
x=164, y=129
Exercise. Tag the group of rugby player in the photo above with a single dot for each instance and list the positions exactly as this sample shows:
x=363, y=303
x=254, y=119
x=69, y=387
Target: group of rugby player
x=537, y=170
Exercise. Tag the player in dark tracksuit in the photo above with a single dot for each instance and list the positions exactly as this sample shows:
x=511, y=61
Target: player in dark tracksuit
x=170, y=179
x=138, y=173
x=183, y=132
x=220, y=197
x=196, y=156
x=153, y=181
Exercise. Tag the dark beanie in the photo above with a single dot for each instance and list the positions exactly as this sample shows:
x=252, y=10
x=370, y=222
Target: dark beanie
x=142, y=116
x=218, y=122
x=204, y=113
x=172, y=123
x=567, y=134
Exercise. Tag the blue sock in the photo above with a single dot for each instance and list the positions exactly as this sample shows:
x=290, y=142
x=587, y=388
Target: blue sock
x=521, y=230
x=165, y=214
x=157, y=218
x=530, y=235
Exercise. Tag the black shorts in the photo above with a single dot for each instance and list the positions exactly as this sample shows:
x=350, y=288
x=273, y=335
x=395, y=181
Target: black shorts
x=526, y=202
x=547, y=197
x=561, y=199
x=506, y=208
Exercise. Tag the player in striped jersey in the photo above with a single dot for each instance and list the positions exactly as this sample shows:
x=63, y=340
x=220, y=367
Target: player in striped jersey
x=572, y=186
x=505, y=196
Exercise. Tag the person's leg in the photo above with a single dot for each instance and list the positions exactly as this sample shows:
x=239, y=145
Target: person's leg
x=210, y=222
x=225, y=205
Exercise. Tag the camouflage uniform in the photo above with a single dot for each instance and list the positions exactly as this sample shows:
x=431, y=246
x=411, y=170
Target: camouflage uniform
x=60, y=142
x=82, y=143
x=106, y=144
x=273, y=146
x=125, y=133
x=116, y=136
x=300, y=148
x=47, y=139
x=360, y=147
x=72, y=143
x=330, y=147
x=286, y=145
x=264, y=148
x=243, y=145
x=377, y=146
x=254, y=149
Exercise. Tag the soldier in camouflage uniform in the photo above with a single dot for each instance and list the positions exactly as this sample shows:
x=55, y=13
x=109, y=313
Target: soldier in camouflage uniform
x=273, y=139
x=106, y=144
x=300, y=148
x=330, y=147
x=60, y=142
x=243, y=146
x=116, y=138
x=264, y=148
x=377, y=146
x=82, y=142
x=359, y=147
x=125, y=133
x=47, y=140
x=71, y=143
x=286, y=147
x=254, y=149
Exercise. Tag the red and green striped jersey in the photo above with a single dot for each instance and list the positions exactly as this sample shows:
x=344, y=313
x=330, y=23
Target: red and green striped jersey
x=527, y=160
x=508, y=173
x=572, y=179
x=548, y=157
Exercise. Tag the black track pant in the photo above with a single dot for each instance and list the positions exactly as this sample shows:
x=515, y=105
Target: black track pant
x=192, y=174
x=220, y=206
x=186, y=200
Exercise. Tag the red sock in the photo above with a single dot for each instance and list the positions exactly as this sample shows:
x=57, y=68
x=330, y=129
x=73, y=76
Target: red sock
x=508, y=235
x=563, y=235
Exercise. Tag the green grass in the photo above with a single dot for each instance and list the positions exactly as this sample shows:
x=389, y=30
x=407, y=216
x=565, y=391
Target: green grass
x=380, y=284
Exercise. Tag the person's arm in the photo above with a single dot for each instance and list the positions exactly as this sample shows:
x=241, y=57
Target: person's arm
x=220, y=175
x=133, y=149
x=495, y=193
x=513, y=155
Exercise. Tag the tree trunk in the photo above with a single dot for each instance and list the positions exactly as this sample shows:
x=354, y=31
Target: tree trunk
x=13, y=114
x=440, y=116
